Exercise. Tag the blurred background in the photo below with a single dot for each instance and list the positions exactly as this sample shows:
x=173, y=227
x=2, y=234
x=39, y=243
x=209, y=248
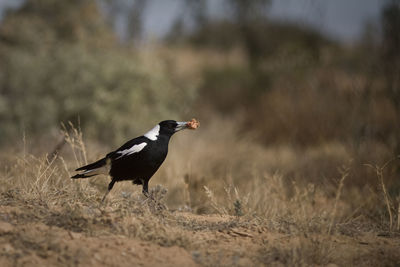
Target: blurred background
x=305, y=88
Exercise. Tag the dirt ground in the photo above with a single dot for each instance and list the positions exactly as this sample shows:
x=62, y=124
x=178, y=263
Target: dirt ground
x=33, y=236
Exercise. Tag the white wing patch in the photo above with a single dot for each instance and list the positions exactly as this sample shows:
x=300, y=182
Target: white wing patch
x=133, y=149
x=153, y=133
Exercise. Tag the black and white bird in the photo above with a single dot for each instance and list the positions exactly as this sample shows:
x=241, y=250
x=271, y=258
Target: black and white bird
x=138, y=159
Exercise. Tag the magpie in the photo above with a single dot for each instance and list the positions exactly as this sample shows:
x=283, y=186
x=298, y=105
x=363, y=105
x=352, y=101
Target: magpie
x=138, y=159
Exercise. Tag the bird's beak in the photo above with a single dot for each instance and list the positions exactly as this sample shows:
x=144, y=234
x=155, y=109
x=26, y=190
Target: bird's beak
x=181, y=125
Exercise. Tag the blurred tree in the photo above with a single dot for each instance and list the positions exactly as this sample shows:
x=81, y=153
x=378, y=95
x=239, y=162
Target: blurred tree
x=131, y=11
x=246, y=20
x=391, y=59
x=193, y=15
x=197, y=11
x=391, y=49
x=249, y=15
x=135, y=18
x=176, y=33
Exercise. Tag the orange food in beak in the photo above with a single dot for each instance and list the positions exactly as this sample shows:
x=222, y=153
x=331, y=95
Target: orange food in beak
x=193, y=124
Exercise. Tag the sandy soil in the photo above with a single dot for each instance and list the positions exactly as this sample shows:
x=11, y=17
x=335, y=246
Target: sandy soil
x=214, y=240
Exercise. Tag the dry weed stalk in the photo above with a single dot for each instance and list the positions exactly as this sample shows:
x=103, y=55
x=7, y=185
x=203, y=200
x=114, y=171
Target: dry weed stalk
x=75, y=140
x=186, y=192
x=238, y=202
x=45, y=172
x=379, y=174
x=40, y=177
x=274, y=195
x=345, y=173
x=74, y=137
x=214, y=204
x=398, y=216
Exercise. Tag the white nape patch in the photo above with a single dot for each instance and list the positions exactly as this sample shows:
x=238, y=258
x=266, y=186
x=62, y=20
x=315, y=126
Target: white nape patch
x=133, y=149
x=153, y=133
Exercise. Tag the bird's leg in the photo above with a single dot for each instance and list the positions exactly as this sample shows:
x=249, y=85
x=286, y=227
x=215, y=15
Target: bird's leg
x=110, y=186
x=105, y=195
x=145, y=189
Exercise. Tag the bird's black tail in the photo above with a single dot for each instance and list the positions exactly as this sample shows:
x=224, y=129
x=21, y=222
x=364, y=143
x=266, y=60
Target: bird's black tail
x=82, y=175
x=95, y=168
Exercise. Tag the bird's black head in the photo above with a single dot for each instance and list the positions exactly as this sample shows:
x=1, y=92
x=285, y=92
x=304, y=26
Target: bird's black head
x=169, y=127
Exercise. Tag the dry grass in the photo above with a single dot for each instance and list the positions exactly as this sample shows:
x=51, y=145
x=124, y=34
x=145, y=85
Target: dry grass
x=243, y=210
